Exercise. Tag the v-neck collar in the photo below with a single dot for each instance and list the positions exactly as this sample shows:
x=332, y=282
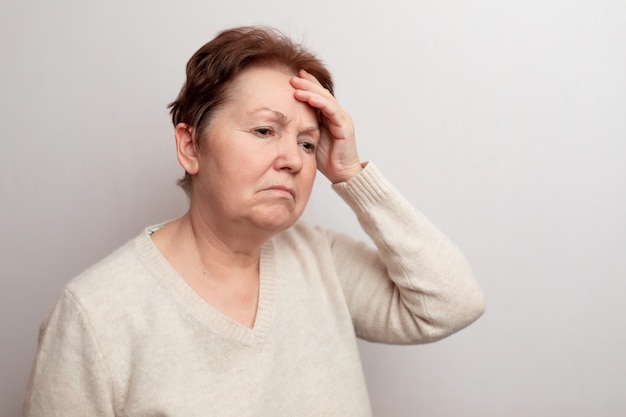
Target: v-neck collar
x=191, y=302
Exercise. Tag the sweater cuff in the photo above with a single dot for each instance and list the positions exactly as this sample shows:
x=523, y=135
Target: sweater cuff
x=364, y=190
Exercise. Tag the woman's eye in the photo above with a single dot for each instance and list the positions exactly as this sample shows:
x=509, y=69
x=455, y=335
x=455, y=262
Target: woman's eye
x=308, y=146
x=263, y=131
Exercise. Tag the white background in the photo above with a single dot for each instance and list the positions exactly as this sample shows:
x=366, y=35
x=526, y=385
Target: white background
x=503, y=121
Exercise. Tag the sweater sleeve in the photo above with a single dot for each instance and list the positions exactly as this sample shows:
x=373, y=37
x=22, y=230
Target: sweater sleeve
x=69, y=377
x=417, y=287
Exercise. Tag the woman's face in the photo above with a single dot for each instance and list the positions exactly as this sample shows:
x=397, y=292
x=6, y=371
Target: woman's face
x=256, y=164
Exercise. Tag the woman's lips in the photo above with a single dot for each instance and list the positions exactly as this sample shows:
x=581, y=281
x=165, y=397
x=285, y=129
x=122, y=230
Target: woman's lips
x=282, y=189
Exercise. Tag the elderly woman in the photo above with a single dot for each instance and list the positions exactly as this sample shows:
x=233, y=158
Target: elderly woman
x=235, y=309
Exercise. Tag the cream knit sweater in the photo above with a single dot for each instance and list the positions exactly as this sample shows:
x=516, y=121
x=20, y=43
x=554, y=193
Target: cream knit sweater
x=128, y=337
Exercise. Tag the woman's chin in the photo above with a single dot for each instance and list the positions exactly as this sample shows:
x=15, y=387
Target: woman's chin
x=276, y=221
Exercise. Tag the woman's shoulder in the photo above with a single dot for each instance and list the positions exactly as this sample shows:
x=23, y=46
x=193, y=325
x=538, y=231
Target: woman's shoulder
x=124, y=269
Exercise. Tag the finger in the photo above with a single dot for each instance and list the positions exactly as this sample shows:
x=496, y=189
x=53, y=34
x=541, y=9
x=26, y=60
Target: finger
x=308, y=82
x=332, y=114
x=329, y=107
x=316, y=95
x=310, y=77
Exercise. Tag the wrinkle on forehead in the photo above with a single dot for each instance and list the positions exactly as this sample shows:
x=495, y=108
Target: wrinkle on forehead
x=280, y=117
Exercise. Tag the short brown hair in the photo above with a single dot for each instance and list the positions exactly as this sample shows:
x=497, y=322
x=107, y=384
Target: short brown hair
x=211, y=70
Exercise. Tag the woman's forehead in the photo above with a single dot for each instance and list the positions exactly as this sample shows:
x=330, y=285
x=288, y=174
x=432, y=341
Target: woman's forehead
x=267, y=91
x=262, y=82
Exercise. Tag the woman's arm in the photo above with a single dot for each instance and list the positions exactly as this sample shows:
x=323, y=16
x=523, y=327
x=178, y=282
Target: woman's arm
x=417, y=287
x=69, y=377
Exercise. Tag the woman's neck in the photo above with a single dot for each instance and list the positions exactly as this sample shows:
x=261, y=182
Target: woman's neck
x=226, y=276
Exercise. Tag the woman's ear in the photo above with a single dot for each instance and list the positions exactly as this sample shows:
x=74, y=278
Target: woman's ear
x=186, y=149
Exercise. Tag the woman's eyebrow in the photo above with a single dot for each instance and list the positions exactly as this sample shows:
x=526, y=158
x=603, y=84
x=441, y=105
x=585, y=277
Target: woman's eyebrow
x=312, y=129
x=280, y=116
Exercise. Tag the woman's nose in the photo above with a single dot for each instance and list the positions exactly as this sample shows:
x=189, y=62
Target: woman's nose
x=289, y=155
